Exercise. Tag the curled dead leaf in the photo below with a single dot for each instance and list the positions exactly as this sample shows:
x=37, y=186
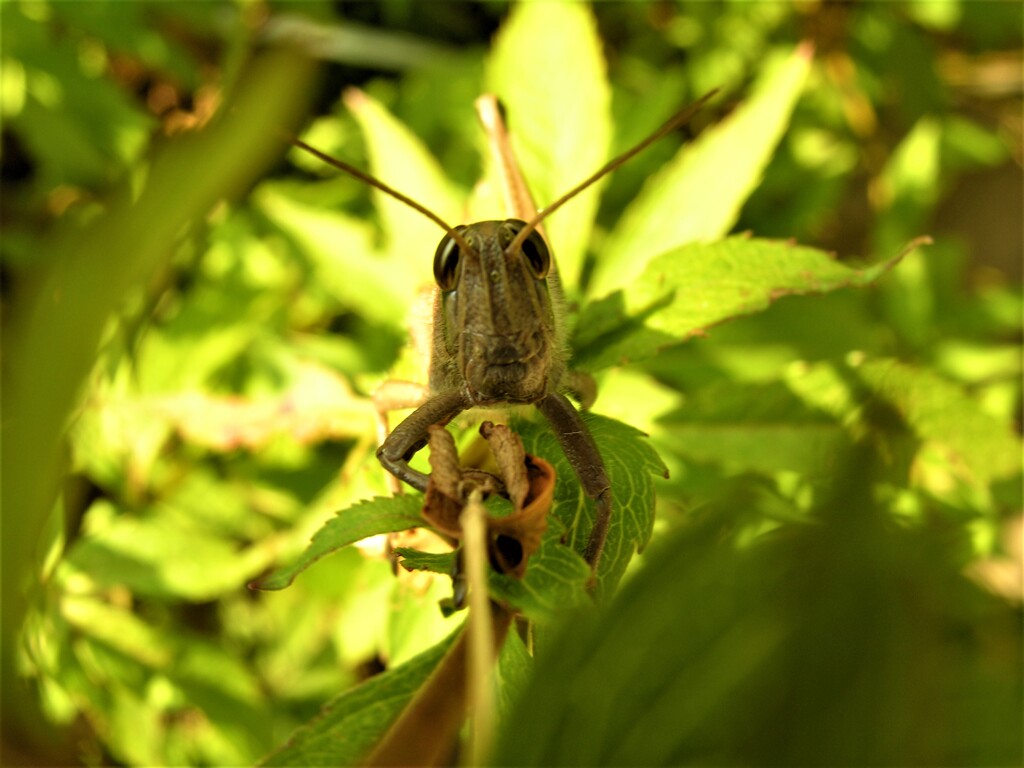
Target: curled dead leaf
x=527, y=481
x=514, y=539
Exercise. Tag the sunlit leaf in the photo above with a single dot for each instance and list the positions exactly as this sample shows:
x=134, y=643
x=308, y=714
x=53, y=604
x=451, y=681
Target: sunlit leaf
x=136, y=735
x=547, y=68
x=348, y=42
x=367, y=518
x=317, y=405
x=698, y=196
x=979, y=447
x=908, y=188
x=400, y=160
x=120, y=629
x=732, y=424
x=415, y=621
x=339, y=250
x=228, y=694
x=161, y=556
x=683, y=292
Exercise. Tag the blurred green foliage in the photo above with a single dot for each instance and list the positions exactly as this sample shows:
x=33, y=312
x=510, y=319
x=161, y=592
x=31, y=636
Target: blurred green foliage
x=193, y=325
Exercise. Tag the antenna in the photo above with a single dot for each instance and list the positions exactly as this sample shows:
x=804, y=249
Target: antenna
x=366, y=178
x=677, y=120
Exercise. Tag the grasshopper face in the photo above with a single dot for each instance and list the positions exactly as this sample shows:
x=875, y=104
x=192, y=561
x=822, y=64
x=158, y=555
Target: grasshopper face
x=496, y=312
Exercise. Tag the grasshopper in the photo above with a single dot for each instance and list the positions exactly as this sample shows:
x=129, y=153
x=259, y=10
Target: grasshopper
x=498, y=337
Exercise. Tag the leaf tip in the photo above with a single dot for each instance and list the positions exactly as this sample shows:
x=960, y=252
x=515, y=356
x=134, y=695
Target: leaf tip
x=355, y=98
x=270, y=583
x=909, y=248
x=805, y=50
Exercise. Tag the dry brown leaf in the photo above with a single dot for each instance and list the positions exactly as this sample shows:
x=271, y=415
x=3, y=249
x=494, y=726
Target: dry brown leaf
x=527, y=481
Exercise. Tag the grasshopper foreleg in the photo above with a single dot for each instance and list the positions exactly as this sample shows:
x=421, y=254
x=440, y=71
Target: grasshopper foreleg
x=585, y=459
x=411, y=435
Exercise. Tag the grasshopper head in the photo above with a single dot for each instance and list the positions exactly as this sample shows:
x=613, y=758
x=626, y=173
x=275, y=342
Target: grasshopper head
x=497, y=311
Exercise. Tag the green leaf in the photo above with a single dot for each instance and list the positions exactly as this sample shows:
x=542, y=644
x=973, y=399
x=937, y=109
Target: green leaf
x=160, y=556
x=698, y=196
x=733, y=424
x=400, y=160
x=379, y=285
x=434, y=562
x=136, y=733
x=837, y=624
x=383, y=514
x=684, y=291
x=908, y=189
x=79, y=129
x=338, y=249
x=607, y=334
x=351, y=724
x=548, y=69
x=136, y=31
x=556, y=577
x=512, y=672
x=119, y=629
x=631, y=462
x=979, y=447
x=54, y=342
x=556, y=580
x=237, y=719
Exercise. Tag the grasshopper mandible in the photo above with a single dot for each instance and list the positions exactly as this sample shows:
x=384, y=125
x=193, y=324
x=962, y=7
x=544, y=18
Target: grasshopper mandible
x=498, y=338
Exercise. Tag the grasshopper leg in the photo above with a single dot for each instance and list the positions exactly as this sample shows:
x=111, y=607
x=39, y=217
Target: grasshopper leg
x=585, y=459
x=411, y=435
x=393, y=395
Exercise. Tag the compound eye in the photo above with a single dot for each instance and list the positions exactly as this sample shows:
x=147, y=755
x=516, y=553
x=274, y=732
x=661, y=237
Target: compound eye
x=535, y=250
x=447, y=259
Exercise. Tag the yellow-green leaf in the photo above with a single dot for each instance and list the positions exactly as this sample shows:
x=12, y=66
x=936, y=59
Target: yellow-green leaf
x=683, y=292
x=548, y=69
x=698, y=196
x=367, y=518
